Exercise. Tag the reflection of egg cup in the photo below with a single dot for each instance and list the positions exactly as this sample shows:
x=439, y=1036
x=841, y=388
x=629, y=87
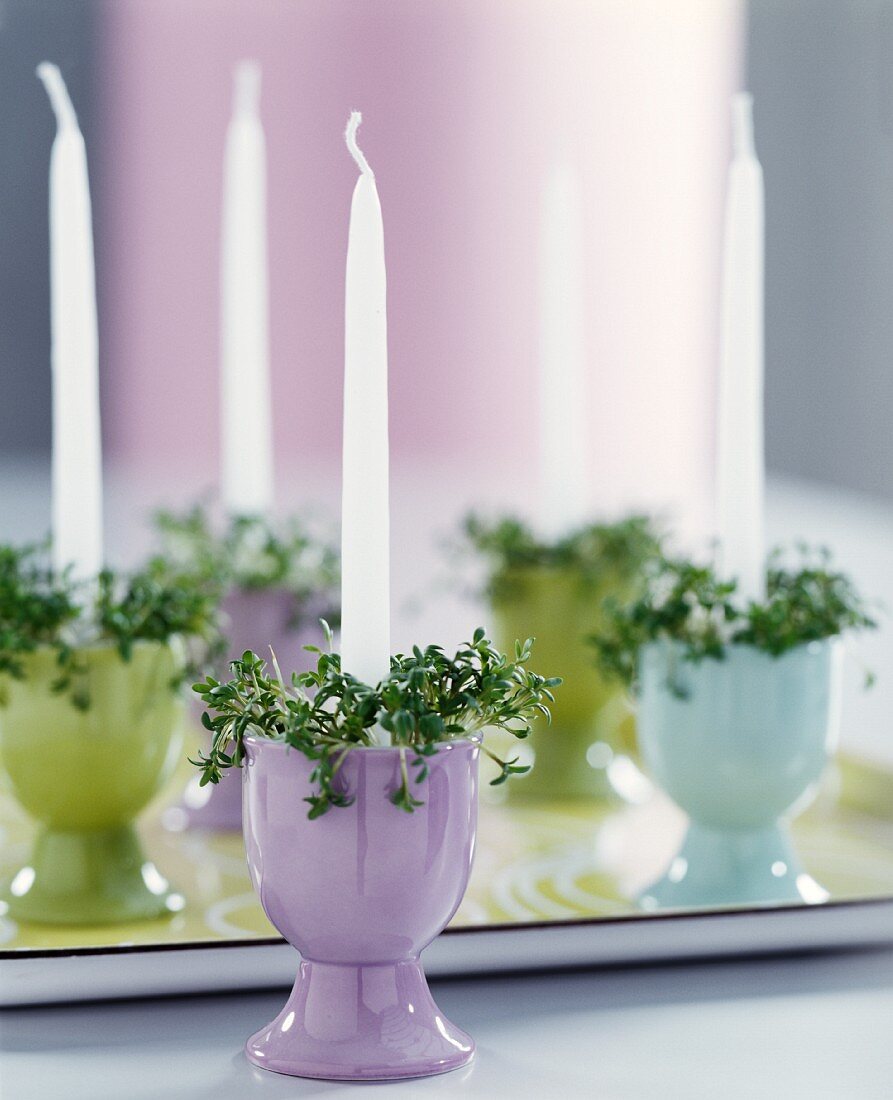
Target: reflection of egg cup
x=85, y=775
x=360, y=892
x=740, y=744
x=258, y=619
x=591, y=722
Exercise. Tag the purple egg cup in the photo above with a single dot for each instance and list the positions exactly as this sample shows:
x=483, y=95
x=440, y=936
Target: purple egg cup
x=360, y=892
x=258, y=619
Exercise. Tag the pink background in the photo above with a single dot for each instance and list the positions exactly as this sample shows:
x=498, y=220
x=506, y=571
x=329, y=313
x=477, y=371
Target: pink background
x=466, y=104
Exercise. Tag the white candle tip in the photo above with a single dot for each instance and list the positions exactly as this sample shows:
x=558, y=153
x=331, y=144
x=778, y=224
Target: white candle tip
x=742, y=124
x=247, y=87
x=350, y=136
x=60, y=101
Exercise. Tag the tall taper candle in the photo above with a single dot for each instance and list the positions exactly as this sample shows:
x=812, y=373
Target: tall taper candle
x=246, y=467
x=740, y=474
x=365, y=528
x=562, y=397
x=77, y=449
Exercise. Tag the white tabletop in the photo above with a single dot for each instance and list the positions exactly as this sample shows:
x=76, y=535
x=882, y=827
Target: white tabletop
x=812, y=1027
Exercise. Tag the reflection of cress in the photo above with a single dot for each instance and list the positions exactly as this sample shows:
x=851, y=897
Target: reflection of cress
x=262, y=620
x=592, y=725
x=554, y=590
x=279, y=579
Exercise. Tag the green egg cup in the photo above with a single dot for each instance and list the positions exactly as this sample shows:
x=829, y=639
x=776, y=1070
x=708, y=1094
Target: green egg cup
x=592, y=722
x=84, y=775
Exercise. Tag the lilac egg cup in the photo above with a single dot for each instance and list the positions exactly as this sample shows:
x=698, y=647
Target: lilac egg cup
x=360, y=892
x=258, y=620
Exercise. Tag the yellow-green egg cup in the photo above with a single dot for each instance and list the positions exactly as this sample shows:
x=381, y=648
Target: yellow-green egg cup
x=592, y=722
x=84, y=775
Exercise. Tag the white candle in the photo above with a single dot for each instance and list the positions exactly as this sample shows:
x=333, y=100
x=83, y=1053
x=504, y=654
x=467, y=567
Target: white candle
x=77, y=450
x=740, y=472
x=246, y=468
x=365, y=551
x=562, y=397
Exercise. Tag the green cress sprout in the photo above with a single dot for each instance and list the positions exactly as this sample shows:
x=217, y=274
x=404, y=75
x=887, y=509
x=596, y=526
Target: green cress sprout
x=687, y=603
x=426, y=699
x=254, y=553
x=506, y=545
x=42, y=608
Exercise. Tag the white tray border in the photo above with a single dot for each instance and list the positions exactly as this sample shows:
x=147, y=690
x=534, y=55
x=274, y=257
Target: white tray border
x=29, y=977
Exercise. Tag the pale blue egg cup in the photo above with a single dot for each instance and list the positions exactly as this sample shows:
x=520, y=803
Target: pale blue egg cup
x=740, y=745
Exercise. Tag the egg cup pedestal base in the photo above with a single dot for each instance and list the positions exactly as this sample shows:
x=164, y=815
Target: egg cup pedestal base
x=733, y=867
x=360, y=1023
x=98, y=876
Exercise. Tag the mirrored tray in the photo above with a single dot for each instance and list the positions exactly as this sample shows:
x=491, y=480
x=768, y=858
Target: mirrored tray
x=551, y=887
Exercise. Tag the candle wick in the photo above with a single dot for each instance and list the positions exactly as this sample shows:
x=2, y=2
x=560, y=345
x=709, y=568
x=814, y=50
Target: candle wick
x=60, y=101
x=742, y=125
x=246, y=98
x=350, y=136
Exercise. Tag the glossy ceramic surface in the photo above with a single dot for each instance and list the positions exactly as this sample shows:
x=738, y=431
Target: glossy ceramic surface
x=592, y=723
x=360, y=892
x=253, y=620
x=740, y=746
x=84, y=775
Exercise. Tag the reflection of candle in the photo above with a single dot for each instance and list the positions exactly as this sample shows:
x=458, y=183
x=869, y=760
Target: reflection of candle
x=740, y=472
x=77, y=450
x=561, y=398
x=365, y=567
x=246, y=472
